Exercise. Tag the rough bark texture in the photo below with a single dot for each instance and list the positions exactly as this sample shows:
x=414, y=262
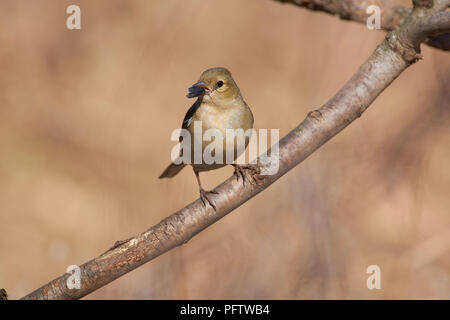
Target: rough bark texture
x=398, y=51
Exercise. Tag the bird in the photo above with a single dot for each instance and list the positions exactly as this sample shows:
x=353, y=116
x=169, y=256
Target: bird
x=219, y=106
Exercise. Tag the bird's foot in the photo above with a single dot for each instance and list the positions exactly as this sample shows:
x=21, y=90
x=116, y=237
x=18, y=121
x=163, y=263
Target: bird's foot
x=205, y=198
x=253, y=170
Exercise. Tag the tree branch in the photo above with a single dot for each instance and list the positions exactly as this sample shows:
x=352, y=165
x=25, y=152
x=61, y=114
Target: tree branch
x=392, y=14
x=398, y=51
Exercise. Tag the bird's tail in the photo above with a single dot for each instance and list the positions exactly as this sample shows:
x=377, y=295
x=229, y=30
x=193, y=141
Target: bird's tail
x=172, y=170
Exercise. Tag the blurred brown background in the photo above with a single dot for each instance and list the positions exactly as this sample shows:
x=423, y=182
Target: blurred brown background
x=85, y=124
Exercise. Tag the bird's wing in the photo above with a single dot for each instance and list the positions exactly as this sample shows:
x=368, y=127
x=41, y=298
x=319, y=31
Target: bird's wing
x=188, y=117
x=190, y=113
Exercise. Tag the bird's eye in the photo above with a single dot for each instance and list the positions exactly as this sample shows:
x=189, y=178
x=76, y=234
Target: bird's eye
x=219, y=83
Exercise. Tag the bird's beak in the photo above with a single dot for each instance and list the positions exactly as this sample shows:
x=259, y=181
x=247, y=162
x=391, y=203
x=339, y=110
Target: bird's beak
x=199, y=88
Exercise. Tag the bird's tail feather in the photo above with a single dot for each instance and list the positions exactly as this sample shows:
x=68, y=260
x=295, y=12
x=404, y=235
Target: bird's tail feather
x=172, y=170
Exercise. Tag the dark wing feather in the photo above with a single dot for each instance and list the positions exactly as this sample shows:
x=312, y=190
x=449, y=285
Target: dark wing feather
x=190, y=113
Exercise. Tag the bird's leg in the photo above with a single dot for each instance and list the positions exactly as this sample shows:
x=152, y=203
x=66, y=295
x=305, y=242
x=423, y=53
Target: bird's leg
x=203, y=193
x=255, y=170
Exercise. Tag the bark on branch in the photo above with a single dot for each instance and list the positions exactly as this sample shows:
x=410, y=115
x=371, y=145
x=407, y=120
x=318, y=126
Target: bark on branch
x=392, y=14
x=398, y=51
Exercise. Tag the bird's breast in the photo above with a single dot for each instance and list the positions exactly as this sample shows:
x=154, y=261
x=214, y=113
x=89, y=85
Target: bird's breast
x=236, y=116
x=222, y=118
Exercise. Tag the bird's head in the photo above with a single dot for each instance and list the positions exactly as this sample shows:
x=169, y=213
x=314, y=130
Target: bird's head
x=216, y=85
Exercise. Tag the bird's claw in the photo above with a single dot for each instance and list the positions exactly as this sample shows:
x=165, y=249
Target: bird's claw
x=254, y=171
x=205, y=198
x=239, y=172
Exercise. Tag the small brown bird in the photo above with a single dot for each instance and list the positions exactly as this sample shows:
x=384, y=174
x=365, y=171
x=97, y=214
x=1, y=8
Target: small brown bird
x=219, y=106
